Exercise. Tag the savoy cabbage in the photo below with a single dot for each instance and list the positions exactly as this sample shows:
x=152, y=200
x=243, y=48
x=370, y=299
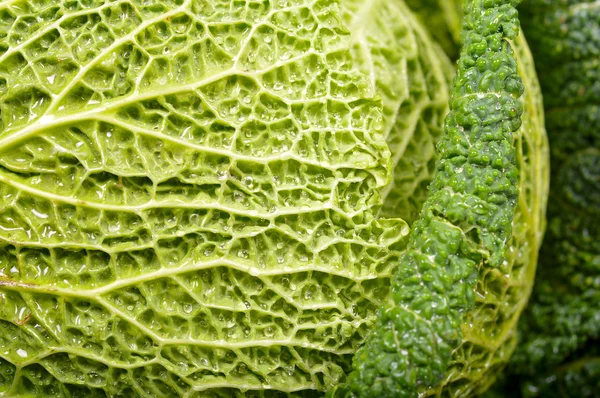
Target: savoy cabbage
x=190, y=191
x=210, y=198
x=485, y=351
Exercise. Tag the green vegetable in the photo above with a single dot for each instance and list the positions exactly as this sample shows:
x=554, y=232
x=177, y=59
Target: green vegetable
x=213, y=198
x=558, y=354
x=190, y=191
x=457, y=247
x=528, y=227
x=413, y=79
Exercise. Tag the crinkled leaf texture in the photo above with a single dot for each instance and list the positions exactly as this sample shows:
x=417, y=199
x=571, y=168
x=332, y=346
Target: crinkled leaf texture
x=559, y=335
x=491, y=328
x=189, y=192
x=413, y=79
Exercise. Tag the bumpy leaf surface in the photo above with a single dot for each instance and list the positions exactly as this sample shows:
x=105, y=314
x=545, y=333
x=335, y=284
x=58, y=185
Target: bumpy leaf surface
x=457, y=247
x=189, y=191
x=490, y=334
x=413, y=78
x=558, y=353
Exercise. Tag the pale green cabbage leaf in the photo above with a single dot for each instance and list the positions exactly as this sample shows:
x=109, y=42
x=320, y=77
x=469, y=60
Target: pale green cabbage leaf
x=190, y=190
